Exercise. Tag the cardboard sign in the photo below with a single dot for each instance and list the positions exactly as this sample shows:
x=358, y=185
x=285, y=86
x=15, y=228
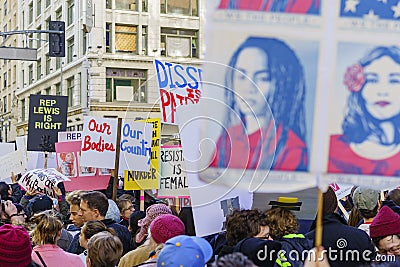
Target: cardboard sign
x=173, y=179
x=138, y=180
x=42, y=180
x=135, y=146
x=99, y=142
x=6, y=148
x=81, y=178
x=12, y=162
x=69, y=136
x=341, y=190
x=47, y=117
x=179, y=85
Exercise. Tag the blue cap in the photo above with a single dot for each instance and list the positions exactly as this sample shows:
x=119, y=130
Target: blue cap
x=185, y=251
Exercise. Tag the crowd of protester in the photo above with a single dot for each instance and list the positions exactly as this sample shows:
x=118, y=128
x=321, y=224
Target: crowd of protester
x=87, y=228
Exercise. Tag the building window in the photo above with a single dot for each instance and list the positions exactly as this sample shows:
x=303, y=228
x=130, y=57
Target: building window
x=84, y=43
x=23, y=109
x=48, y=62
x=144, y=40
x=144, y=5
x=5, y=104
x=48, y=3
x=14, y=78
x=59, y=14
x=70, y=50
x=30, y=41
x=5, y=8
x=181, y=7
x=108, y=38
x=126, y=5
x=39, y=39
x=70, y=91
x=179, y=42
x=58, y=89
x=48, y=90
x=5, y=80
x=108, y=4
x=30, y=13
x=58, y=63
x=71, y=6
x=38, y=8
x=39, y=69
x=126, y=38
x=126, y=85
x=30, y=73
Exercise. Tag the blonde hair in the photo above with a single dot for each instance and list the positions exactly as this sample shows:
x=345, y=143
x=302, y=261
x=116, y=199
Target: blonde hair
x=104, y=250
x=46, y=230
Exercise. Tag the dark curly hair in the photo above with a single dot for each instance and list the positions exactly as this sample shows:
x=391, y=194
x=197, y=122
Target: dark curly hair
x=242, y=224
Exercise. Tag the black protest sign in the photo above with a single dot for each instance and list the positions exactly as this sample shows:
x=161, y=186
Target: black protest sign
x=47, y=117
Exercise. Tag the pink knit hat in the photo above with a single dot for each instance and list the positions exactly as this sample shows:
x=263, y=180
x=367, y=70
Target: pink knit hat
x=15, y=246
x=166, y=226
x=386, y=223
x=152, y=212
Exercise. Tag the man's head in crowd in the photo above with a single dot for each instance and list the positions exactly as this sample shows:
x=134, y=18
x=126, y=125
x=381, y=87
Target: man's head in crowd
x=104, y=250
x=235, y=259
x=93, y=206
x=394, y=195
x=282, y=222
x=330, y=203
x=246, y=223
x=385, y=231
x=74, y=201
x=366, y=201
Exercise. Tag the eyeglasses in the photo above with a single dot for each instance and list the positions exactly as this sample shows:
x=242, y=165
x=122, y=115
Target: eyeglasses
x=392, y=250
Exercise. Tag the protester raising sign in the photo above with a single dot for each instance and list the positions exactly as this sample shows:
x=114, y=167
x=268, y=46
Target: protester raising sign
x=42, y=180
x=135, y=146
x=99, y=142
x=179, y=85
x=47, y=117
x=173, y=180
x=137, y=180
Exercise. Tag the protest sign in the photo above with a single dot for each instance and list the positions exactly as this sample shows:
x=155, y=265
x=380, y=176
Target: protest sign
x=11, y=162
x=81, y=178
x=42, y=180
x=69, y=136
x=173, y=179
x=135, y=146
x=341, y=190
x=179, y=85
x=138, y=180
x=47, y=117
x=6, y=148
x=99, y=142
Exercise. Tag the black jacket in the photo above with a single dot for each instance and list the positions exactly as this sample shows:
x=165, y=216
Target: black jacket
x=344, y=242
x=123, y=234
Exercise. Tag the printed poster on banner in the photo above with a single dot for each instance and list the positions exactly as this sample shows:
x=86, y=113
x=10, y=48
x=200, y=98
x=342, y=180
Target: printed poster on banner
x=47, y=117
x=138, y=180
x=135, y=146
x=173, y=178
x=99, y=140
x=179, y=85
x=81, y=177
x=42, y=180
x=12, y=162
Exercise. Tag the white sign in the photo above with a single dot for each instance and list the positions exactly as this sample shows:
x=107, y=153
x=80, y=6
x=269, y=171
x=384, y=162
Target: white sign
x=69, y=136
x=12, y=162
x=6, y=148
x=341, y=190
x=135, y=146
x=42, y=180
x=173, y=180
x=99, y=142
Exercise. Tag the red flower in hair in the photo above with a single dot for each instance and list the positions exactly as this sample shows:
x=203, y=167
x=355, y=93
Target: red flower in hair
x=354, y=78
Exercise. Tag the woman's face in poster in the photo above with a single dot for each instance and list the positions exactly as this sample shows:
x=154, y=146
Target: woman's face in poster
x=382, y=89
x=252, y=81
x=69, y=157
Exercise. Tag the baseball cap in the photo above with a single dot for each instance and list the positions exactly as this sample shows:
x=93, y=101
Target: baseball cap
x=183, y=250
x=365, y=198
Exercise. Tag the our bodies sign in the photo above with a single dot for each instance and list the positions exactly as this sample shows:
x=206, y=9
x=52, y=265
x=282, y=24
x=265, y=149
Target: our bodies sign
x=179, y=85
x=135, y=146
x=99, y=142
x=137, y=180
x=47, y=117
x=173, y=180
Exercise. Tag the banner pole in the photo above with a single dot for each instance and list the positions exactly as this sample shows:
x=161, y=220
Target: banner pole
x=141, y=200
x=116, y=166
x=45, y=159
x=318, y=228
